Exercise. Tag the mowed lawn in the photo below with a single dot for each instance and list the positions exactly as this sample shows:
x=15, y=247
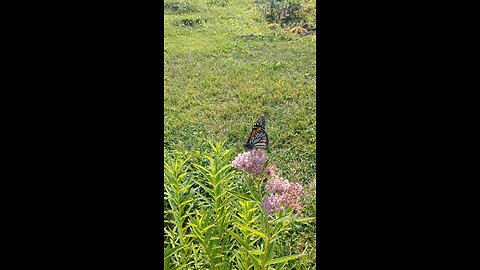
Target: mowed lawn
x=218, y=83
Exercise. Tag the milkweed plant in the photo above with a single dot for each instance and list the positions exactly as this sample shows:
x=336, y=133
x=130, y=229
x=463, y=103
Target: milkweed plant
x=225, y=212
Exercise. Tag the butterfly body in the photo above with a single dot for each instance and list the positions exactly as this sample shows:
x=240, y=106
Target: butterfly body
x=258, y=138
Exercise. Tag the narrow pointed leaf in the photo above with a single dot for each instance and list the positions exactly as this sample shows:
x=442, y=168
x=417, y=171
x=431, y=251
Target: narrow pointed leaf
x=242, y=196
x=256, y=252
x=259, y=233
x=305, y=219
x=284, y=259
x=169, y=252
x=240, y=240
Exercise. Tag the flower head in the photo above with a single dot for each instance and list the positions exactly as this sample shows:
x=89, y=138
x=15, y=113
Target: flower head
x=251, y=162
x=271, y=170
x=272, y=204
x=292, y=196
x=282, y=194
x=277, y=184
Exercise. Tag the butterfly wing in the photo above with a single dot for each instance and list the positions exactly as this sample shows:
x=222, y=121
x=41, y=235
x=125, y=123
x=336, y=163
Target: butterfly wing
x=258, y=137
x=259, y=124
x=262, y=143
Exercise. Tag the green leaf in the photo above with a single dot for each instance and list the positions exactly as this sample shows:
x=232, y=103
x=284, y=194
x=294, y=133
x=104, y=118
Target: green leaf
x=284, y=259
x=283, y=219
x=166, y=264
x=255, y=193
x=270, y=249
x=205, y=199
x=255, y=240
x=183, y=266
x=256, y=252
x=184, y=188
x=208, y=227
x=181, y=176
x=210, y=159
x=259, y=233
x=253, y=220
x=281, y=266
x=225, y=205
x=239, y=239
x=207, y=189
x=219, y=255
x=220, y=264
x=278, y=228
x=197, y=233
x=204, y=171
x=169, y=252
x=305, y=219
x=223, y=169
x=242, y=196
x=255, y=261
x=186, y=215
x=169, y=234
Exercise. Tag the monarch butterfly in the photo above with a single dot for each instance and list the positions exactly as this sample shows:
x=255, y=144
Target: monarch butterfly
x=258, y=139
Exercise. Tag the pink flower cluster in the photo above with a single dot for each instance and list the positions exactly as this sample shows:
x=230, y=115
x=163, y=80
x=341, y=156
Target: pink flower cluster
x=251, y=162
x=272, y=204
x=271, y=170
x=282, y=194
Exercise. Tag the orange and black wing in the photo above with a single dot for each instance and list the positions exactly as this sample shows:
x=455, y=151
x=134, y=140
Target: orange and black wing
x=258, y=138
x=259, y=124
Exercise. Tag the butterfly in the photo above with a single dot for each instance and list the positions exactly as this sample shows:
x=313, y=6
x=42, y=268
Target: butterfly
x=258, y=139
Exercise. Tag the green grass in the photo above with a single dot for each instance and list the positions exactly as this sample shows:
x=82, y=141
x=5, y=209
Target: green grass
x=217, y=84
